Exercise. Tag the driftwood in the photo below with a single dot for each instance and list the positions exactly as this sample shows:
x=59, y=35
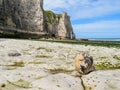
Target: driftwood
x=84, y=63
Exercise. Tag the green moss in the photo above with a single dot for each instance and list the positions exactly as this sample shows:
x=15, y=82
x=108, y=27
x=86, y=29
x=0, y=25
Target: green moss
x=46, y=49
x=16, y=85
x=15, y=65
x=103, y=57
x=40, y=77
x=60, y=70
x=59, y=16
x=25, y=52
x=22, y=83
x=39, y=48
x=11, y=68
x=19, y=64
x=49, y=50
x=9, y=86
x=36, y=62
x=58, y=85
x=107, y=66
x=68, y=62
x=116, y=57
x=43, y=56
x=48, y=13
x=62, y=58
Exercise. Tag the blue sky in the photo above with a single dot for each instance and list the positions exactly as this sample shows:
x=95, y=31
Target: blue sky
x=90, y=18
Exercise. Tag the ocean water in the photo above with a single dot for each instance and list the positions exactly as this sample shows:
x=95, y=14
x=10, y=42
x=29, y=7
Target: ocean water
x=105, y=39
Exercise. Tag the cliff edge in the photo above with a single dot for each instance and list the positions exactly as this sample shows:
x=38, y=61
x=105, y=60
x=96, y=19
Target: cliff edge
x=27, y=19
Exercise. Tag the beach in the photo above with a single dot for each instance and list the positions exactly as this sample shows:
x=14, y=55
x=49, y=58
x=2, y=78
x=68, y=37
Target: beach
x=43, y=65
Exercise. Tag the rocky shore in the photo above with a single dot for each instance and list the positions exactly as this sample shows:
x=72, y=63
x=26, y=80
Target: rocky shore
x=38, y=65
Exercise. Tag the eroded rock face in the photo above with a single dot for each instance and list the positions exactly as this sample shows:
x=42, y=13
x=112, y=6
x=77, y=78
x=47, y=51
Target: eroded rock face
x=65, y=28
x=1, y=13
x=28, y=16
x=25, y=14
x=58, y=25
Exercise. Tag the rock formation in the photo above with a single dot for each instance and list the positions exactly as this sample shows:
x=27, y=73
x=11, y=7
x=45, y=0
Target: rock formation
x=27, y=19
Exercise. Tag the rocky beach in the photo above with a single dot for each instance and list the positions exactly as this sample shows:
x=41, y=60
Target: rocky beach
x=38, y=65
x=42, y=55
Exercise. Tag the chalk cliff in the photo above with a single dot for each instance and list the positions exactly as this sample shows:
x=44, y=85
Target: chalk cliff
x=27, y=19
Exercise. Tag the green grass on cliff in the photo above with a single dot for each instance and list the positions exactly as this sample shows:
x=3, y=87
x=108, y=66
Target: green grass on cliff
x=51, y=16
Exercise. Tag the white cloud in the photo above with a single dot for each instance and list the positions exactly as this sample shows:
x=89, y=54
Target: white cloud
x=112, y=24
x=102, y=28
x=78, y=9
x=88, y=9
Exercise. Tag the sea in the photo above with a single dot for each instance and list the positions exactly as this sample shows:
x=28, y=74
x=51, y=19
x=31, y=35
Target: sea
x=105, y=39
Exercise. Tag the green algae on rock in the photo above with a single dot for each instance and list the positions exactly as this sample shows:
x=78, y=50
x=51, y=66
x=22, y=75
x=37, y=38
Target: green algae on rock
x=107, y=66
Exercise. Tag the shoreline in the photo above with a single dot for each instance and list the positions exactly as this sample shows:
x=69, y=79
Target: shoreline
x=115, y=44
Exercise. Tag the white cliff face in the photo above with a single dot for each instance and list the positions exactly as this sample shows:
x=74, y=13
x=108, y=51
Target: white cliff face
x=64, y=27
x=29, y=16
x=25, y=14
x=62, y=31
x=1, y=12
x=59, y=25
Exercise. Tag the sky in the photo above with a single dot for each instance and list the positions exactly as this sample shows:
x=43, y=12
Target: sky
x=90, y=18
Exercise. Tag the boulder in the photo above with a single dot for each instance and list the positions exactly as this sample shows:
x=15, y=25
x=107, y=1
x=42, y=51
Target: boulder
x=83, y=63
